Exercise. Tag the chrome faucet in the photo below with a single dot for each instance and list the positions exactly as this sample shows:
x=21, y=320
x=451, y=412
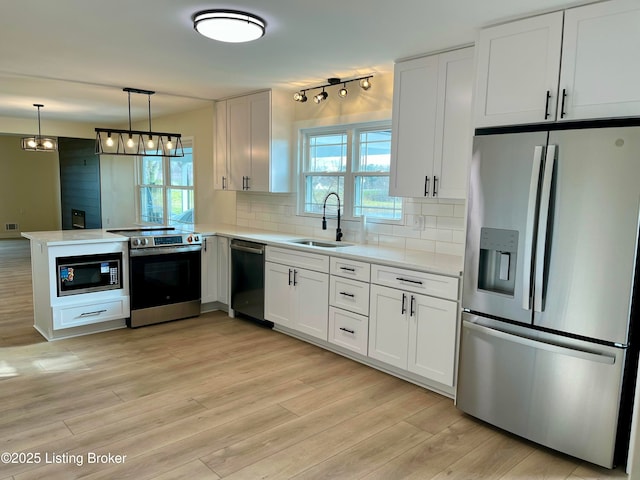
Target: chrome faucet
x=324, y=218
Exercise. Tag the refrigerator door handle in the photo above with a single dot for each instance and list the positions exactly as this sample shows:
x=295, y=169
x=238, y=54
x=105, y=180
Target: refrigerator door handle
x=542, y=345
x=541, y=245
x=530, y=226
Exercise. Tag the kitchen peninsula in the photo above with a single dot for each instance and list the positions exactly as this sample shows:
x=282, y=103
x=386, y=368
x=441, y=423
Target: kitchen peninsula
x=97, y=260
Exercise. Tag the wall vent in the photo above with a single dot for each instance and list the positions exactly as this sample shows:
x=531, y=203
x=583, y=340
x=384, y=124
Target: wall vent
x=11, y=227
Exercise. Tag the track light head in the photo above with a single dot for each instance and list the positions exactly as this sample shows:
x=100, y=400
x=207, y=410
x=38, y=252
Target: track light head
x=365, y=84
x=321, y=96
x=343, y=92
x=300, y=97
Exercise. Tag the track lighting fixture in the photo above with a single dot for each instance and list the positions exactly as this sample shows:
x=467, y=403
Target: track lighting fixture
x=110, y=141
x=38, y=143
x=300, y=96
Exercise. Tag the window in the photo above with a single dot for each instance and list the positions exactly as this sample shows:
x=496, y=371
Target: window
x=165, y=188
x=353, y=161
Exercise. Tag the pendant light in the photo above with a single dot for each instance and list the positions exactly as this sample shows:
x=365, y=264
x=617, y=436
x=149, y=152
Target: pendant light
x=38, y=143
x=230, y=26
x=111, y=141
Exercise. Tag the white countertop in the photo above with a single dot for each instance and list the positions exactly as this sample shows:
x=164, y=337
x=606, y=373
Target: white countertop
x=419, y=260
x=66, y=237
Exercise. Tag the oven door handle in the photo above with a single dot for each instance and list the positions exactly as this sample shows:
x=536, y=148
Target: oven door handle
x=144, y=252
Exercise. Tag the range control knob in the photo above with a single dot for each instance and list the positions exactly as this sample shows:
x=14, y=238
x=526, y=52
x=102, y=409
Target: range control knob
x=135, y=242
x=145, y=241
x=196, y=238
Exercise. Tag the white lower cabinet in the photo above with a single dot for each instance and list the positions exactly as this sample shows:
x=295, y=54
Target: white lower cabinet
x=209, y=272
x=413, y=332
x=296, y=298
x=348, y=330
x=88, y=313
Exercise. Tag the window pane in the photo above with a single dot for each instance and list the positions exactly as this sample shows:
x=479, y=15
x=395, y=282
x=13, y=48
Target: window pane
x=375, y=151
x=372, y=198
x=327, y=153
x=317, y=187
x=152, y=171
x=180, y=204
x=181, y=169
x=151, y=205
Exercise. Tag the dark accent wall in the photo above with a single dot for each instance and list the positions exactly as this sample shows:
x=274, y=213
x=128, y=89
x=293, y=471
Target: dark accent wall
x=79, y=181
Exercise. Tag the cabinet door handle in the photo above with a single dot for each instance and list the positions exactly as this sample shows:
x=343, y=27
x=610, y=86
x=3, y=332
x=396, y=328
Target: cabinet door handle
x=224, y=183
x=352, y=332
x=426, y=186
x=412, y=306
x=404, y=304
x=295, y=281
x=346, y=294
x=546, y=105
x=564, y=96
x=348, y=269
x=417, y=282
x=435, y=186
x=289, y=276
x=92, y=314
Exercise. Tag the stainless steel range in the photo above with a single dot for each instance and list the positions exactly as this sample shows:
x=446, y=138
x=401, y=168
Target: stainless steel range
x=165, y=269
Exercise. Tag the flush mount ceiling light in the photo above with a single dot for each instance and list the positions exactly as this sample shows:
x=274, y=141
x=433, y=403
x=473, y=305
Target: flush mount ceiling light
x=111, y=141
x=300, y=95
x=230, y=26
x=38, y=143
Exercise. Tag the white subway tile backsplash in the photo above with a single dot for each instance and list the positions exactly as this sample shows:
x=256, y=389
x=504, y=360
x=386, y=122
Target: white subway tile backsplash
x=443, y=229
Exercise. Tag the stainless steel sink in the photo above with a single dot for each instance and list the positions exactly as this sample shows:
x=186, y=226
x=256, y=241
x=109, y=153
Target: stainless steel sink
x=320, y=243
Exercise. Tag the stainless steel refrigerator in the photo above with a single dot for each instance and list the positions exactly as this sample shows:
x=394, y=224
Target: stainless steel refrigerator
x=550, y=263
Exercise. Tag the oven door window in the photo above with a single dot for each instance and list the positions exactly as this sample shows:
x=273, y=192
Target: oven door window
x=165, y=279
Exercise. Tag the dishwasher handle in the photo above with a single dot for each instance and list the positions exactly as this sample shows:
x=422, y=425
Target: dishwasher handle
x=243, y=248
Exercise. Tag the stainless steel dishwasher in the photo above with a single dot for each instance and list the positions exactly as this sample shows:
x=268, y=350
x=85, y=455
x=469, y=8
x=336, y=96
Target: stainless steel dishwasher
x=247, y=280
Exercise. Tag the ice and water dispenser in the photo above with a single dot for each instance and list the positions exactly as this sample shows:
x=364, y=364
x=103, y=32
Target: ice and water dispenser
x=498, y=252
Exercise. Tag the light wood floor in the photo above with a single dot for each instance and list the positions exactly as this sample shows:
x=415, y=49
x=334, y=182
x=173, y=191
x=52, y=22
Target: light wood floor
x=215, y=397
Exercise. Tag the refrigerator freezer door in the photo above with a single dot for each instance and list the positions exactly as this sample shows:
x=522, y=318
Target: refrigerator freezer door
x=555, y=391
x=503, y=191
x=592, y=233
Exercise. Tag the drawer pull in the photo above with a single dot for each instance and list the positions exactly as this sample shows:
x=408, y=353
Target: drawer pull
x=346, y=294
x=418, y=282
x=352, y=332
x=91, y=314
x=348, y=269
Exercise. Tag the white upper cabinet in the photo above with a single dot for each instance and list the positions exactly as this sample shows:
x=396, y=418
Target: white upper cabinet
x=600, y=70
x=519, y=64
x=220, y=164
x=432, y=125
x=517, y=72
x=253, y=142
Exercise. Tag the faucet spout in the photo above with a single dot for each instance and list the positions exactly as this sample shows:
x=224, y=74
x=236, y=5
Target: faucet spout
x=324, y=217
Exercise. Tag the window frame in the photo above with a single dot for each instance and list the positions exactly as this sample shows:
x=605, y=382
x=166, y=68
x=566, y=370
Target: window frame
x=166, y=186
x=352, y=131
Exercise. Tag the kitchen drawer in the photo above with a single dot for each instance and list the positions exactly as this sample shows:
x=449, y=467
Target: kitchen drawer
x=413, y=281
x=350, y=269
x=349, y=294
x=348, y=330
x=297, y=258
x=85, y=314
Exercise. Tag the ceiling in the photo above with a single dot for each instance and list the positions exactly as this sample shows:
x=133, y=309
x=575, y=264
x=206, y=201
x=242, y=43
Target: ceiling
x=75, y=56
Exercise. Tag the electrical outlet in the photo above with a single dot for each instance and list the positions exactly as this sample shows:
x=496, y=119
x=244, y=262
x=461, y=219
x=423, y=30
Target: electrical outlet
x=418, y=222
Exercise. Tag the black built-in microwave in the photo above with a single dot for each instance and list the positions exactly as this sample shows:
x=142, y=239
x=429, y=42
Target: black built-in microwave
x=88, y=273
